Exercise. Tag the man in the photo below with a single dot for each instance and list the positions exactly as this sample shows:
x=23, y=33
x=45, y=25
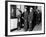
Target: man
x=25, y=19
x=36, y=17
x=19, y=19
x=30, y=18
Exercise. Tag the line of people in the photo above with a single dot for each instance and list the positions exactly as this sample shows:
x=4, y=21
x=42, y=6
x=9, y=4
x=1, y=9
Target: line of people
x=28, y=19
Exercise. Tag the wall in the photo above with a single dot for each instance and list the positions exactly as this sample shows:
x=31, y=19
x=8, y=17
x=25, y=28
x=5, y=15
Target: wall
x=2, y=18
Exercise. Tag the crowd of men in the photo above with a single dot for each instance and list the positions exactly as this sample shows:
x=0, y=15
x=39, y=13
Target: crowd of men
x=28, y=19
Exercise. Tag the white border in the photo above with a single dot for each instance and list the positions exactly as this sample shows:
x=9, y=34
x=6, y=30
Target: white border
x=31, y=32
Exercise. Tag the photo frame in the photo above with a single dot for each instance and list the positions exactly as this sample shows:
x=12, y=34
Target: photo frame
x=9, y=5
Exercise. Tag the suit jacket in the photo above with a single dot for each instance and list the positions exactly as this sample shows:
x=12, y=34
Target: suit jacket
x=30, y=16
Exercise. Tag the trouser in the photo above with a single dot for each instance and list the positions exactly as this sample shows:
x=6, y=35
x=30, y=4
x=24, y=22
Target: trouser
x=19, y=25
x=30, y=26
x=25, y=25
x=33, y=23
x=22, y=22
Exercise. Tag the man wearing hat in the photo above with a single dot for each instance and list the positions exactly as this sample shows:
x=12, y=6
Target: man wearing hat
x=25, y=19
x=30, y=18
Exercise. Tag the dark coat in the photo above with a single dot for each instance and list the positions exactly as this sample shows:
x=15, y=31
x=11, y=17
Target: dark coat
x=25, y=21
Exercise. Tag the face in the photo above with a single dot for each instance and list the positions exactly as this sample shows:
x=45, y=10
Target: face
x=25, y=10
x=31, y=9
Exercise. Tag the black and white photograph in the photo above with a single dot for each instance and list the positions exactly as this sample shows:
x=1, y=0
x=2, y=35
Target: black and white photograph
x=25, y=18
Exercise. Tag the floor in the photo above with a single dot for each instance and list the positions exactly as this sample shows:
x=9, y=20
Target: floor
x=36, y=28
